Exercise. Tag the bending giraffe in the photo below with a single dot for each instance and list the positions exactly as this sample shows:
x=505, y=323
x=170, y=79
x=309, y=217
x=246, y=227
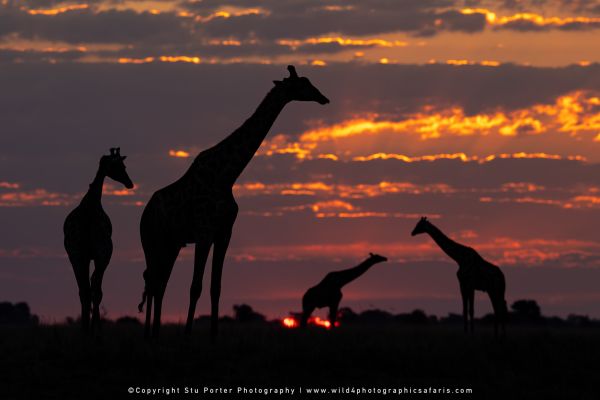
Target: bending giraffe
x=88, y=232
x=199, y=208
x=328, y=292
x=474, y=273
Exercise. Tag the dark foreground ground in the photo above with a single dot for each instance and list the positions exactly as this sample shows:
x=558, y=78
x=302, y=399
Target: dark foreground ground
x=57, y=362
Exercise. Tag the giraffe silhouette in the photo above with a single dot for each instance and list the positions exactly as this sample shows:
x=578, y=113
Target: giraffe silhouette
x=200, y=208
x=87, y=230
x=474, y=273
x=328, y=292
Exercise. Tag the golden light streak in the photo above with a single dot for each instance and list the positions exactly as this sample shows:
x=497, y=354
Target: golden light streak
x=536, y=19
x=166, y=59
x=318, y=63
x=179, y=153
x=343, y=42
x=60, y=10
x=232, y=12
x=174, y=59
x=125, y=60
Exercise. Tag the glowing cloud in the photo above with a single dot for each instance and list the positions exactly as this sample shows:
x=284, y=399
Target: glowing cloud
x=576, y=114
x=342, y=42
x=60, y=10
x=179, y=153
x=535, y=19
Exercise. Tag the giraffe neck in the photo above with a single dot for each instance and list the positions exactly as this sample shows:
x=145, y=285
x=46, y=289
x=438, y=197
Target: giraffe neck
x=94, y=193
x=348, y=275
x=240, y=146
x=449, y=246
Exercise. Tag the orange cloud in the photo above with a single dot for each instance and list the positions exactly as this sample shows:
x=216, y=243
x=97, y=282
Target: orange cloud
x=576, y=114
x=60, y=10
x=464, y=157
x=166, y=59
x=193, y=60
x=32, y=198
x=342, y=42
x=494, y=20
x=230, y=12
x=343, y=191
x=179, y=153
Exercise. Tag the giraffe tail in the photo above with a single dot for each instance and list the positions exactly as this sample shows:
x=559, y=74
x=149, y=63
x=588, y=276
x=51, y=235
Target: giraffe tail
x=144, y=294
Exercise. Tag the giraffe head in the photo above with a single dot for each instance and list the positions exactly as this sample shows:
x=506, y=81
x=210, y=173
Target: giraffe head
x=113, y=166
x=299, y=88
x=421, y=226
x=376, y=258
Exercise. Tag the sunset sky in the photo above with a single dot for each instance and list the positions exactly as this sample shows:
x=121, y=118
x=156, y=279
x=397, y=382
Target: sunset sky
x=482, y=115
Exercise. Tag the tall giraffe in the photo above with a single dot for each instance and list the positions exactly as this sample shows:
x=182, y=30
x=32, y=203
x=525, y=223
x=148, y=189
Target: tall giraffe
x=474, y=273
x=88, y=232
x=199, y=207
x=328, y=292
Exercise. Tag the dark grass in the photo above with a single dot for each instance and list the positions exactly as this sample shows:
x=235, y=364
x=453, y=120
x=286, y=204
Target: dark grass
x=55, y=361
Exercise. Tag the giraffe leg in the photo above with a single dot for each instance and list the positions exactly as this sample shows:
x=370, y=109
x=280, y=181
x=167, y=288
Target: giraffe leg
x=465, y=298
x=333, y=310
x=97, y=276
x=201, y=254
x=471, y=302
x=147, y=330
x=159, y=284
x=220, y=249
x=81, y=267
x=307, y=310
x=499, y=305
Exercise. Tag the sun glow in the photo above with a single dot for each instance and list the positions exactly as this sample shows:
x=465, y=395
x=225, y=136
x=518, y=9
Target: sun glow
x=292, y=322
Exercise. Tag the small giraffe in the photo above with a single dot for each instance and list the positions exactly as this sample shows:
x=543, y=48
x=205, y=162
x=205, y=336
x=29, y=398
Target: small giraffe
x=200, y=208
x=328, y=292
x=474, y=273
x=88, y=231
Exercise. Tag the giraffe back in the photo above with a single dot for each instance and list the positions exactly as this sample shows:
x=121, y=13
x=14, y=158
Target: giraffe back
x=478, y=273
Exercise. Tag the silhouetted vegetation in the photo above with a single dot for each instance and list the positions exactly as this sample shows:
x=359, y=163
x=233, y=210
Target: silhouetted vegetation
x=245, y=313
x=17, y=314
x=546, y=357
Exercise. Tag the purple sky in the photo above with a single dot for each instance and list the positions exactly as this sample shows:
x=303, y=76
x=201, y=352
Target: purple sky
x=484, y=116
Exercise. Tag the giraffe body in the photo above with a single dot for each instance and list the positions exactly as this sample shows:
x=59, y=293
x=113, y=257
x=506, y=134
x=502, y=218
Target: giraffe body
x=328, y=292
x=474, y=273
x=87, y=237
x=200, y=208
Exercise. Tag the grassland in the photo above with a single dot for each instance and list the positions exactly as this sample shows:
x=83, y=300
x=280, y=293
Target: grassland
x=57, y=362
